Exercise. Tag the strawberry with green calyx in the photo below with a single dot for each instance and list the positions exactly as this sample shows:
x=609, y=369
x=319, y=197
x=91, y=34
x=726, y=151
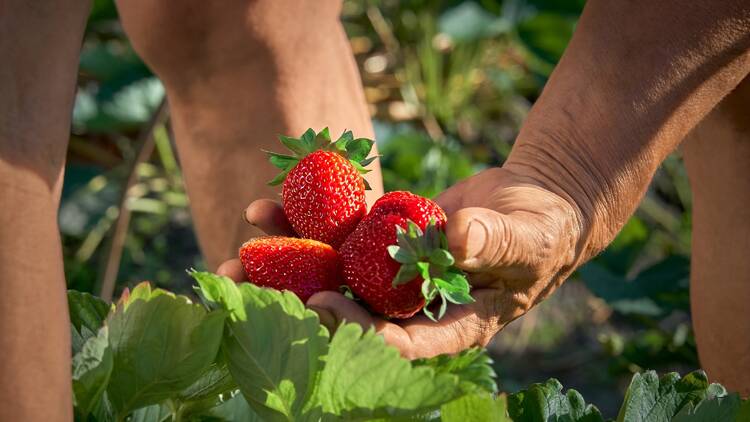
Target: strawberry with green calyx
x=396, y=261
x=424, y=254
x=302, y=266
x=323, y=191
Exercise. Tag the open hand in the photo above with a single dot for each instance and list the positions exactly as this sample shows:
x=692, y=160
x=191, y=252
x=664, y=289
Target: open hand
x=515, y=239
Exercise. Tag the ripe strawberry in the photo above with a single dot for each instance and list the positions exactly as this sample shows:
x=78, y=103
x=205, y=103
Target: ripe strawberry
x=303, y=266
x=323, y=193
x=396, y=259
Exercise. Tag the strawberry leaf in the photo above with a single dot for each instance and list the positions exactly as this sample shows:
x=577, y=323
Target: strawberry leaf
x=365, y=379
x=308, y=140
x=297, y=146
x=355, y=150
x=273, y=345
x=359, y=149
x=347, y=136
x=278, y=179
x=87, y=314
x=426, y=255
x=443, y=305
x=367, y=161
x=442, y=257
x=161, y=344
x=92, y=368
x=322, y=140
x=405, y=274
x=359, y=167
x=401, y=255
x=546, y=402
x=284, y=162
x=475, y=407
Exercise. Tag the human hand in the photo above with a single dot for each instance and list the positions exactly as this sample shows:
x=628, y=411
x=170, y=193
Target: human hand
x=516, y=240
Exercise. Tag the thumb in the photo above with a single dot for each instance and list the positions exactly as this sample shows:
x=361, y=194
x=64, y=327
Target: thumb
x=510, y=246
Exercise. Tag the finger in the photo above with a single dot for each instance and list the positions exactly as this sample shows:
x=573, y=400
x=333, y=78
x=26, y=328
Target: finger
x=268, y=216
x=335, y=308
x=512, y=247
x=340, y=308
x=467, y=325
x=232, y=269
x=450, y=199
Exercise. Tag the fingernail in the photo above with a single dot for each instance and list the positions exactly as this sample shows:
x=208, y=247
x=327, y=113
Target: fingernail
x=475, y=239
x=327, y=318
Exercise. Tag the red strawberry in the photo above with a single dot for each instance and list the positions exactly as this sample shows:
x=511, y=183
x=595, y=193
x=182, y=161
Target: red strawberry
x=396, y=259
x=323, y=193
x=303, y=266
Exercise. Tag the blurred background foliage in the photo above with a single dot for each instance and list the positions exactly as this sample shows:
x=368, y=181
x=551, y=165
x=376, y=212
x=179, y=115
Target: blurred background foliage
x=449, y=84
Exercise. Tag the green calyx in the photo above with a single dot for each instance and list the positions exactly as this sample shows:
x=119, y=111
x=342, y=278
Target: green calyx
x=424, y=254
x=355, y=150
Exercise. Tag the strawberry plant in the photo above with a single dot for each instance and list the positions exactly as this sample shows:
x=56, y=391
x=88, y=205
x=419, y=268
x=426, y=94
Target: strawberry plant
x=247, y=353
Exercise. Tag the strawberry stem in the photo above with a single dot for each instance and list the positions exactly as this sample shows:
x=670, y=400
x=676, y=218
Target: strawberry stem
x=355, y=150
x=424, y=254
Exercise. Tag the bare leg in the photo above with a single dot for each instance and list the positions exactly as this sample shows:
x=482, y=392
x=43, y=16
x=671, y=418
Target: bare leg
x=717, y=154
x=39, y=45
x=237, y=74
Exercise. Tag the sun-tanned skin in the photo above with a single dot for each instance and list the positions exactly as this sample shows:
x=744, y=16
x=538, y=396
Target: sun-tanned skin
x=630, y=87
x=634, y=81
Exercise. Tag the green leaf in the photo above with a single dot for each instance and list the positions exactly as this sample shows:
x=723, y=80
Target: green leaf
x=472, y=366
x=716, y=409
x=454, y=294
x=744, y=412
x=654, y=292
x=481, y=406
x=214, y=381
x=92, y=368
x=161, y=344
x=364, y=378
x=359, y=167
x=87, y=315
x=433, y=238
x=152, y=413
x=546, y=402
x=441, y=257
x=424, y=270
x=273, y=345
x=220, y=292
x=278, y=179
x=367, y=161
x=235, y=409
x=402, y=238
x=651, y=398
x=284, y=162
x=358, y=149
x=346, y=136
x=402, y=255
x=308, y=140
x=297, y=146
x=323, y=139
x=405, y=274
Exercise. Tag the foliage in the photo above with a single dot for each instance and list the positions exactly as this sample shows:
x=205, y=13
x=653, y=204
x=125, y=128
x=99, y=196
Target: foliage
x=250, y=353
x=449, y=83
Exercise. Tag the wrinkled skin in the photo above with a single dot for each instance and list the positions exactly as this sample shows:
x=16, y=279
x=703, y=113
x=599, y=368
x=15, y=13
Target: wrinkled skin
x=634, y=81
x=530, y=235
x=578, y=170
